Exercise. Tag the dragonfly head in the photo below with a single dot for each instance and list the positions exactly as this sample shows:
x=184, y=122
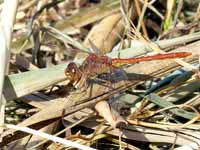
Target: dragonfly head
x=72, y=71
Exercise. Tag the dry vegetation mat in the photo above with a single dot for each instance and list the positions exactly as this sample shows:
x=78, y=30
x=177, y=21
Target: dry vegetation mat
x=100, y=74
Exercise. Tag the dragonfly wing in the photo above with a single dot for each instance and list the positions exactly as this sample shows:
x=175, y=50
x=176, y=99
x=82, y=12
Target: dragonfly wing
x=94, y=48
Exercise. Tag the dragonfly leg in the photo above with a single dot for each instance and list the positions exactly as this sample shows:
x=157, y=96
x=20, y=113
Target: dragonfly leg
x=81, y=89
x=102, y=82
x=110, y=78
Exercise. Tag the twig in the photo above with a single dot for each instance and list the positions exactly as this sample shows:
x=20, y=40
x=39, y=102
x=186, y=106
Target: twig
x=47, y=6
x=175, y=106
x=141, y=22
x=180, y=6
x=153, y=9
x=161, y=126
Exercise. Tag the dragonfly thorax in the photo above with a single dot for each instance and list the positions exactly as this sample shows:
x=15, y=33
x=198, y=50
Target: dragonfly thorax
x=93, y=58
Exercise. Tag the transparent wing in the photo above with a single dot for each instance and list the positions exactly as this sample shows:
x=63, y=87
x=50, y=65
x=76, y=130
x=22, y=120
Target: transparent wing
x=95, y=49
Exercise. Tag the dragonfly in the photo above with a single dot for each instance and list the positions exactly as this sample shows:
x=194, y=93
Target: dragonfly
x=95, y=65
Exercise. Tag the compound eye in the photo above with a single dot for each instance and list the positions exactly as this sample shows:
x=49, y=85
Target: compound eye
x=93, y=56
x=71, y=68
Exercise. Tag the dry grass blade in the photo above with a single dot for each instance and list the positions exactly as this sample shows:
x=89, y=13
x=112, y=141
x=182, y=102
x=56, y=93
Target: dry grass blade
x=159, y=101
x=141, y=15
x=50, y=137
x=15, y=84
x=6, y=28
x=104, y=33
x=66, y=38
x=168, y=20
x=88, y=15
x=67, y=128
x=191, y=146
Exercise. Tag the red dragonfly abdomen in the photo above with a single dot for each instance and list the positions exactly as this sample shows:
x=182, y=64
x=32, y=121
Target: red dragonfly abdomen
x=150, y=58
